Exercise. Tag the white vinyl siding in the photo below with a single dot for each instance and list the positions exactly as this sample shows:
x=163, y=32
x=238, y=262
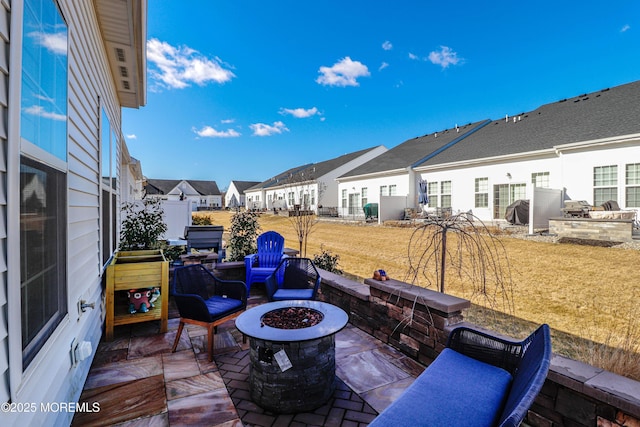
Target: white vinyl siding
x=51, y=377
x=4, y=86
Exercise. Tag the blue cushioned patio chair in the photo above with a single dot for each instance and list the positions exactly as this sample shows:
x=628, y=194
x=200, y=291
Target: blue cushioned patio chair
x=205, y=300
x=478, y=380
x=294, y=278
x=260, y=265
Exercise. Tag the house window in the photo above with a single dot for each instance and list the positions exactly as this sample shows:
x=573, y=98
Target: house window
x=445, y=194
x=393, y=190
x=363, y=194
x=291, y=199
x=432, y=192
x=518, y=192
x=632, y=180
x=383, y=190
x=43, y=179
x=313, y=197
x=108, y=187
x=605, y=184
x=344, y=198
x=482, y=193
x=540, y=179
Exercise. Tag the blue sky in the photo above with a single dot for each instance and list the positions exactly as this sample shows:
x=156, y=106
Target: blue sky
x=246, y=89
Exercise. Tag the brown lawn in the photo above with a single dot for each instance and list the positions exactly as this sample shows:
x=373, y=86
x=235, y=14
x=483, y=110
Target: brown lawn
x=583, y=291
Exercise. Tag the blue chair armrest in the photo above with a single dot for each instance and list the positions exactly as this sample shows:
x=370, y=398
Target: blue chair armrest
x=250, y=260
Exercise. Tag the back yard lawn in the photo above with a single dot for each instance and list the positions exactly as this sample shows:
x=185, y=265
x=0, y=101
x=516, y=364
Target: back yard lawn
x=582, y=292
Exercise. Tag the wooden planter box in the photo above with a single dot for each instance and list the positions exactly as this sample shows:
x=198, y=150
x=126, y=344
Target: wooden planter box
x=136, y=270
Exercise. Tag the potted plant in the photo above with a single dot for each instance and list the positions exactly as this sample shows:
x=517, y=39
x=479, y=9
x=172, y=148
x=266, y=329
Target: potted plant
x=139, y=264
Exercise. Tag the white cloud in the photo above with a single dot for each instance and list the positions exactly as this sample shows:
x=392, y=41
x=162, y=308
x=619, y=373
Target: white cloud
x=413, y=56
x=262, y=129
x=625, y=28
x=387, y=45
x=179, y=67
x=36, y=110
x=383, y=66
x=444, y=57
x=300, y=113
x=55, y=42
x=209, y=132
x=132, y=136
x=343, y=73
x=227, y=121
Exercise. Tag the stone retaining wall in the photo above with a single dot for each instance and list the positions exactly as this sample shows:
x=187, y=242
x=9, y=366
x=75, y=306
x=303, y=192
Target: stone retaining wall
x=611, y=230
x=417, y=321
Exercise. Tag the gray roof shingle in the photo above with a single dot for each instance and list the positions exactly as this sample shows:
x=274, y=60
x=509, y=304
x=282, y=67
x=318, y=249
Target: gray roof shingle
x=602, y=114
x=241, y=186
x=310, y=171
x=164, y=186
x=413, y=150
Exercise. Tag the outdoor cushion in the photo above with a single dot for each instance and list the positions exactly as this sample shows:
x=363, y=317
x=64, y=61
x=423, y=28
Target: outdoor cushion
x=220, y=307
x=289, y=294
x=455, y=390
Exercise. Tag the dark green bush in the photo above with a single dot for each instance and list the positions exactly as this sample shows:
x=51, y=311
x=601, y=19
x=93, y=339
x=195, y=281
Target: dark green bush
x=242, y=235
x=327, y=261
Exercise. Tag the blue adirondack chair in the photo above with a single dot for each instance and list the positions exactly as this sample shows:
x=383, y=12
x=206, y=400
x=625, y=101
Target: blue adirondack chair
x=261, y=264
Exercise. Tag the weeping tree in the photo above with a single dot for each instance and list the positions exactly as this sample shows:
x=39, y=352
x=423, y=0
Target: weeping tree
x=461, y=248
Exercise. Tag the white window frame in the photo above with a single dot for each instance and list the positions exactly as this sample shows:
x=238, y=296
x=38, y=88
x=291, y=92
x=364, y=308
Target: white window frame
x=481, y=190
x=605, y=179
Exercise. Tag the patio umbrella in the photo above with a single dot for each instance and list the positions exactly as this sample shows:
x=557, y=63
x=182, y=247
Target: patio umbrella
x=423, y=198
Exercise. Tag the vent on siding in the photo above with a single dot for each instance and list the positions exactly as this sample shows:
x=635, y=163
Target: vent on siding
x=124, y=72
x=120, y=54
x=125, y=84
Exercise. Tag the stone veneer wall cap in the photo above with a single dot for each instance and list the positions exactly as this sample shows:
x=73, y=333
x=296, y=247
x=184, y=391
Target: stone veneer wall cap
x=621, y=392
x=436, y=300
x=348, y=286
x=572, y=369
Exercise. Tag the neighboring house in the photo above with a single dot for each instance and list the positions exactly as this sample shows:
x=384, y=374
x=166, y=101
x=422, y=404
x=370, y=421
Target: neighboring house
x=235, y=196
x=132, y=177
x=202, y=195
x=310, y=186
x=68, y=68
x=587, y=146
x=391, y=173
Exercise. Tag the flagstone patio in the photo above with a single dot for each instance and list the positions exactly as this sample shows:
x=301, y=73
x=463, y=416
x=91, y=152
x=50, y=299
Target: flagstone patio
x=138, y=381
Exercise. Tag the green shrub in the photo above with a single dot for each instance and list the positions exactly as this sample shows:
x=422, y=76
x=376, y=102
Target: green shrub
x=201, y=220
x=242, y=236
x=327, y=261
x=143, y=225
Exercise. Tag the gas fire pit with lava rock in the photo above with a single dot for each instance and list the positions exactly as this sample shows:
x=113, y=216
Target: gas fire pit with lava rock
x=292, y=353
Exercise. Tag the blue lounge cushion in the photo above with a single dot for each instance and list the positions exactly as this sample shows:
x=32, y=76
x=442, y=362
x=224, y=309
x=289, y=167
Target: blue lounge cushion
x=219, y=306
x=289, y=294
x=455, y=390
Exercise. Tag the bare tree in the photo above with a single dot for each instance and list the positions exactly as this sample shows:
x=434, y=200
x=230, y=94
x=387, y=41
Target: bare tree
x=301, y=215
x=461, y=245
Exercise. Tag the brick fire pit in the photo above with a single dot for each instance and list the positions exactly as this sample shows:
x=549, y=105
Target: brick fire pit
x=292, y=370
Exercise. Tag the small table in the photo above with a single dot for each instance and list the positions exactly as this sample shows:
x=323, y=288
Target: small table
x=292, y=370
